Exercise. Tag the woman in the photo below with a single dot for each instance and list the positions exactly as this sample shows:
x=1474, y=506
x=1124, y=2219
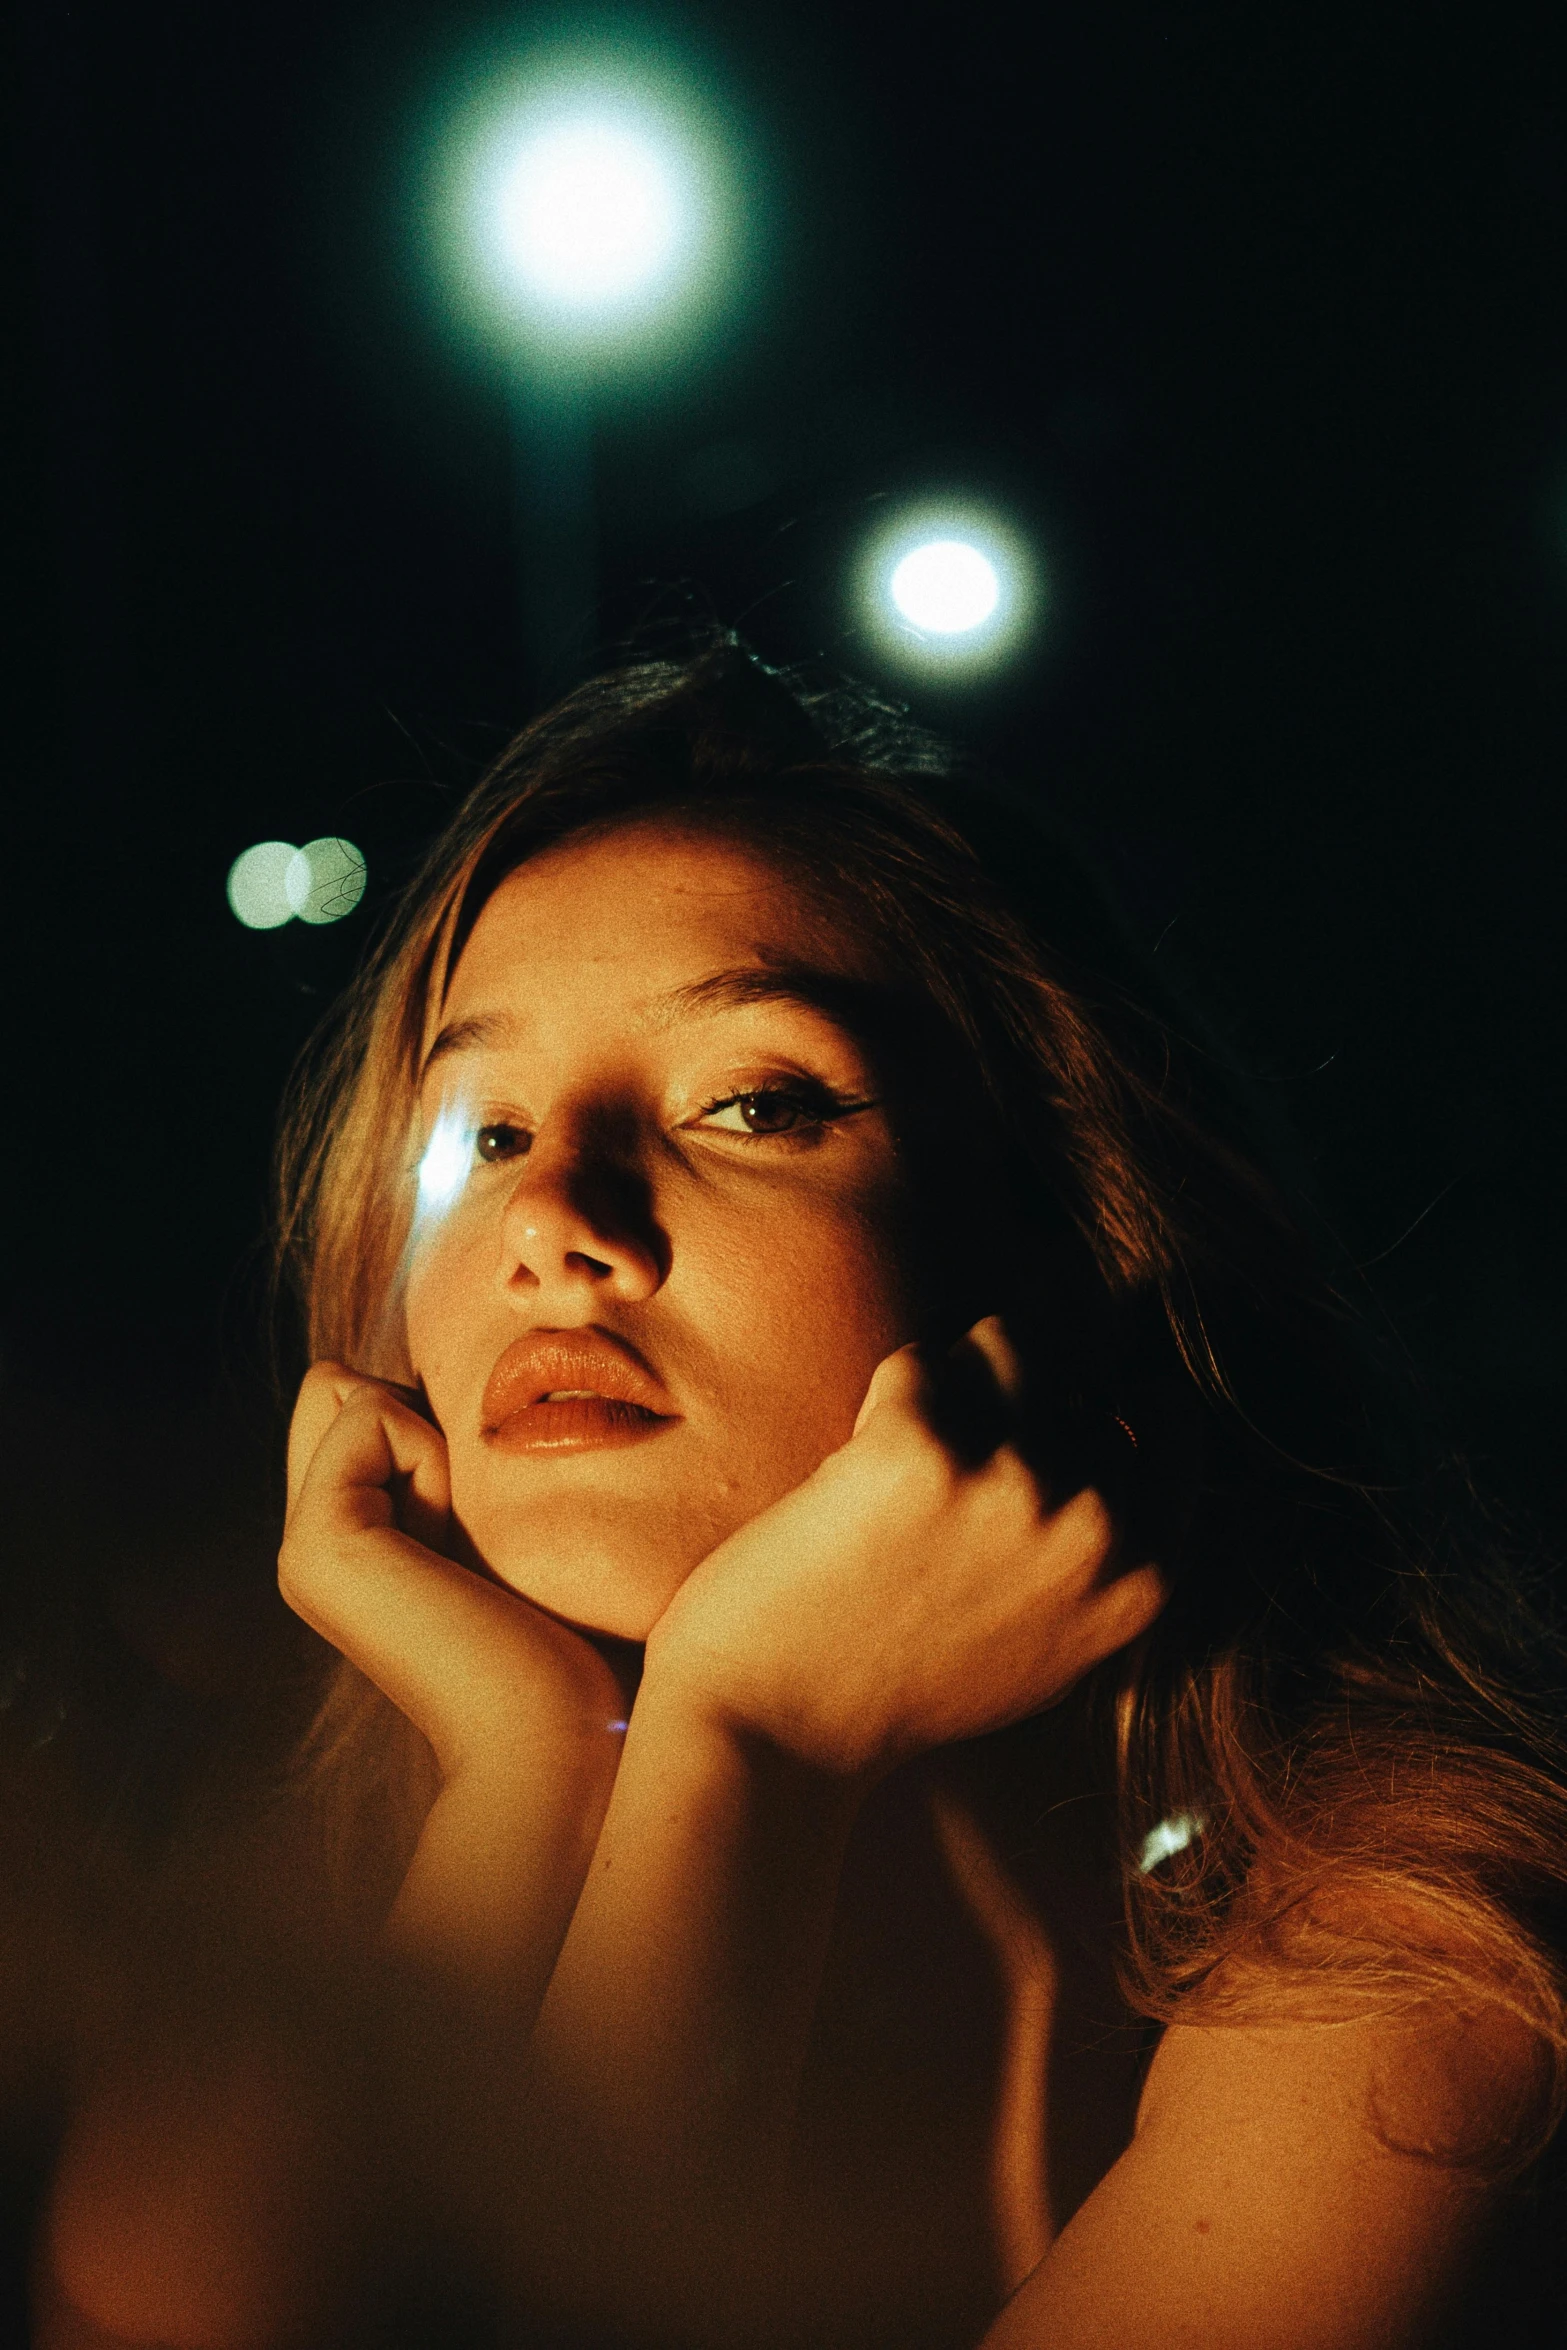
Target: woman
x=932, y=1778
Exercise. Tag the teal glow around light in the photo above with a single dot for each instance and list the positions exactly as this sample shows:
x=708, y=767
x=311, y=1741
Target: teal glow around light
x=948, y=588
x=584, y=204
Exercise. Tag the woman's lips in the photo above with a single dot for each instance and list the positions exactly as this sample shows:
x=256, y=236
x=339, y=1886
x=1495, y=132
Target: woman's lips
x=569, y=1391
x=574, y=1423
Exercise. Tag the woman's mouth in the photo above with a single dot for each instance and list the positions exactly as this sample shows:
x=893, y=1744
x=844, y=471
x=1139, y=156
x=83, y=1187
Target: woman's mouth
x=571, y=1391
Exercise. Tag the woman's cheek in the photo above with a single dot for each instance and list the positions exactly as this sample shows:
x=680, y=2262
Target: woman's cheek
x=439, y=1289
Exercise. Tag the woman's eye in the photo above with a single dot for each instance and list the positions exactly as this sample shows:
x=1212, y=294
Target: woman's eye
x=501, y=1141
x=770, y=1110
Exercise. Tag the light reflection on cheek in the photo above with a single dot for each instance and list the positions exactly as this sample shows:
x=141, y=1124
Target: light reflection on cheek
x=440, y=1186
x=445, y=1166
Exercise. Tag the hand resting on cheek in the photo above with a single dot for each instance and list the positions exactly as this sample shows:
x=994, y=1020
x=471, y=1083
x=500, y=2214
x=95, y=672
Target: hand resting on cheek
x=523, y=1714
x=918, y=1589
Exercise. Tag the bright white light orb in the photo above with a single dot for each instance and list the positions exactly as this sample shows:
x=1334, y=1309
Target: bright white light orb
x=946, y=587
x=588, y=205
x=324, y=880
x=258, y=885
x=447, y=1157
x=591, y=213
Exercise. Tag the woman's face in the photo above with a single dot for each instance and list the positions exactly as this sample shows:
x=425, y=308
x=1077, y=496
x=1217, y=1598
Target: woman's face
x=656, y=1257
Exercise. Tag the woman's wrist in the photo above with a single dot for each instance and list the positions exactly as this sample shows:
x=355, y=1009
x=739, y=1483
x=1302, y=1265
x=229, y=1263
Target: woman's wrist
x=721, y=1723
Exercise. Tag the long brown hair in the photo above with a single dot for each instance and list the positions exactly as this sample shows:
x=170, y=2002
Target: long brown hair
x=1350, y=1707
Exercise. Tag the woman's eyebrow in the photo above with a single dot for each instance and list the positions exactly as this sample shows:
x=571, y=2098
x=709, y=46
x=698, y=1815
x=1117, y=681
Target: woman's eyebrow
x=826, y=992
x=496, y=1029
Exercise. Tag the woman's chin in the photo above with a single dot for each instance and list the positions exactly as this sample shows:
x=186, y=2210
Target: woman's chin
x=611, y=1579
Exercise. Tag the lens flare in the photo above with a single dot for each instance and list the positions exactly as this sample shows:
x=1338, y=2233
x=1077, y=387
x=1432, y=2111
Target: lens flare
x=587, y=207
x=448, y=1155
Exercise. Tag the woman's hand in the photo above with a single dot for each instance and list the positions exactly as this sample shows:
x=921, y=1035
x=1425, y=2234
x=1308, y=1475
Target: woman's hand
x=915, y=1590
x=484, y=1674
x=524, y=1715
x=918, y=1588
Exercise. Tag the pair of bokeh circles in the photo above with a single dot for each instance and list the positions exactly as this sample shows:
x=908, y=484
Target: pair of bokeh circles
x=275, y=882
x=942, y=592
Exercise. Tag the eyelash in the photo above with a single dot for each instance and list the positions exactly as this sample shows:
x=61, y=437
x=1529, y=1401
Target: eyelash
x=818, y=1107
x=818, y=1104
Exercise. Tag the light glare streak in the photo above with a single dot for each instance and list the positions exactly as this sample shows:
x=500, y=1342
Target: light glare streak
x=448, y=1156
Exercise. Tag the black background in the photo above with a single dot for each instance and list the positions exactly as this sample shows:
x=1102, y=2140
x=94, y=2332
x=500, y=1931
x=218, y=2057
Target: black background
x=1255, y=318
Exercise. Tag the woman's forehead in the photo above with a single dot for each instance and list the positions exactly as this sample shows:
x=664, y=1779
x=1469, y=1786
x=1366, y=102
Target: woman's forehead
x=644, y=902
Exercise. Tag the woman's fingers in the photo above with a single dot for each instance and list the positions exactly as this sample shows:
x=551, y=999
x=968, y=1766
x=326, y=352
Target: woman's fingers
x=379, y=1463
x=326, y=1387
x=984, y=1362
x=924, y=1586
x=989, y=1339
x=482, y=1673
x=900, y=1382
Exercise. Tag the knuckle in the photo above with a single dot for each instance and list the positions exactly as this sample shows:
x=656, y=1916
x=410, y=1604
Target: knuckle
x=927, y=1473
x=1013, y=1485
x=1087, y=1517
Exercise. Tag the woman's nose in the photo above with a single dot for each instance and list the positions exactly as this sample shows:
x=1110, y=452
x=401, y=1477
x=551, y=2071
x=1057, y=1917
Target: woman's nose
x=579, y=1224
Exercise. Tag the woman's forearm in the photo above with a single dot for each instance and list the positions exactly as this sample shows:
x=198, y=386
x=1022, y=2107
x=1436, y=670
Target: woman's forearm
x=499, y=1869
x=669, y=2046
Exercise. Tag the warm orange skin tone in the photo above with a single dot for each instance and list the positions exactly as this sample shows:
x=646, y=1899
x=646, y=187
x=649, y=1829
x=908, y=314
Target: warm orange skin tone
x=629, y=1945
x=755, y=1272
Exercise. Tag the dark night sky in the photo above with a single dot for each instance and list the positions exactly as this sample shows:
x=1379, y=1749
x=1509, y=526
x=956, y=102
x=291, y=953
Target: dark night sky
x=1256, y=318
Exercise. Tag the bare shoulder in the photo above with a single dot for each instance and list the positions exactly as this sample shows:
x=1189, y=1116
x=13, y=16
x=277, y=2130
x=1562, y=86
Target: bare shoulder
x=1294, y=2183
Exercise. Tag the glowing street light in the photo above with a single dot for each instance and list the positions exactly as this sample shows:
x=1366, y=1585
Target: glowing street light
x=578, y=224
x=592, y=216
x=582, y=214
x=948, y=589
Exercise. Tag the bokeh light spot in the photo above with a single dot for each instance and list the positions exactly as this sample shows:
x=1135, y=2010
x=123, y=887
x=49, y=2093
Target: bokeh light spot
x=258, y=885
x=324, y=880
x=587, y=208
x=948, y=587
